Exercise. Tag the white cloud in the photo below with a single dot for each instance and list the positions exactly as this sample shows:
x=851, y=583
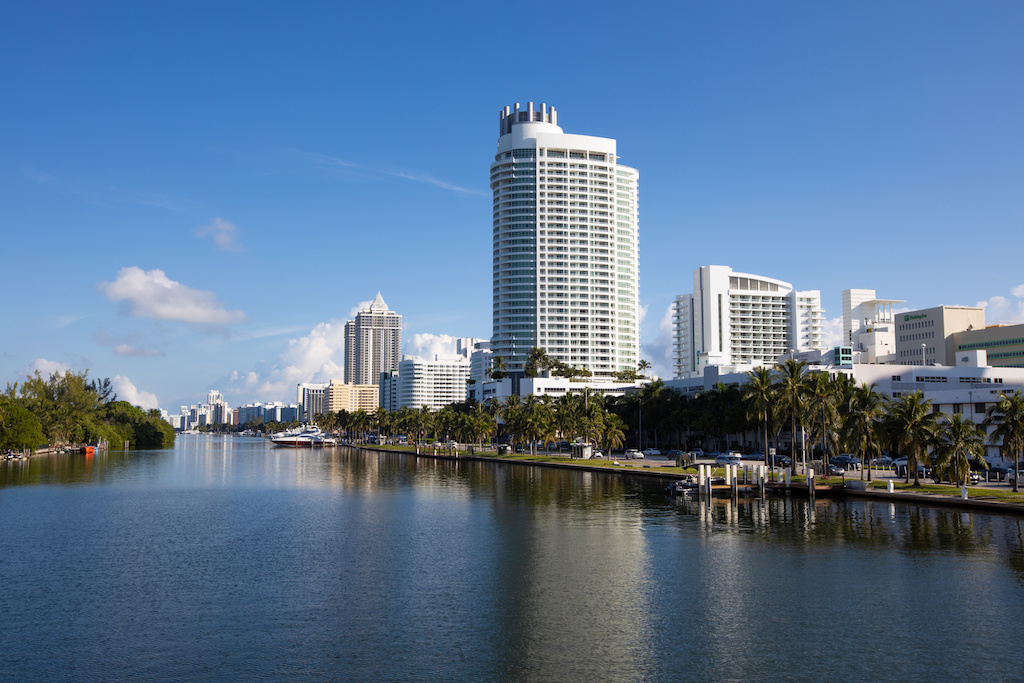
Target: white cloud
x=38, y=176
x=832, y=330
x=317, y=357
x=359, y=308
x=659, y=352
x=46, y=367
x=350, y=168
x=126, y=391
x=1000, y=309
x=224, y=233
x=426, y=178
x=426, y=345
x=152, y=294
x=136, y=351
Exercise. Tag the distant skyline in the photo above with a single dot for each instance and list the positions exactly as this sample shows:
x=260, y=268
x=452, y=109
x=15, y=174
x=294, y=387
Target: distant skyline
x=198, y=196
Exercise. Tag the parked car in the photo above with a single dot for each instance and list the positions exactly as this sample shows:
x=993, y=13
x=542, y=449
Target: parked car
x=1013, y=474
x=779, y=461
x=922, y=470
x=756, y=455
x=727, y=459
x=596, y=453
x=835, y=470
x=972, y=477
x=633, y=454
x=674, y=453
x=848, y=461
x=884, y=461
x=652, y=452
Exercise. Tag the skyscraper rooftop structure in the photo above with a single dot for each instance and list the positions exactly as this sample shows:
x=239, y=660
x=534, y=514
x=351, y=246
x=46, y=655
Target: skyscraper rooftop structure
x=566, y=247
x=373, y=343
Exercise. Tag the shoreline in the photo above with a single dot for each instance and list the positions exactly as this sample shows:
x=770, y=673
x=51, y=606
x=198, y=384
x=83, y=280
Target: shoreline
x=830, y=491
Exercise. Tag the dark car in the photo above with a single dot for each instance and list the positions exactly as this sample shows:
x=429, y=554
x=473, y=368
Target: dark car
x=846, y=461
x=779, y=461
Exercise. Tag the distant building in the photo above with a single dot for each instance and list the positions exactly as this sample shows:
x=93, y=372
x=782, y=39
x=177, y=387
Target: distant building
x=869, y=326
x=279, y=412
x=351, y=397
x=311, y=398
x=250, y=413
x=420, y=382
x=739, y=319
x=479, y=370
x=925, y=336
x=373, y=343
x=1003, y=344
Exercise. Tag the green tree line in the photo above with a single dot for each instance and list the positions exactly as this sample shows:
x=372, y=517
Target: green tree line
x=828, y=414
x=69, y=408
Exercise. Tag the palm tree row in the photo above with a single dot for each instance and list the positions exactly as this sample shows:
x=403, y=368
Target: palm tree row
x=860, y=419
x=825, y=415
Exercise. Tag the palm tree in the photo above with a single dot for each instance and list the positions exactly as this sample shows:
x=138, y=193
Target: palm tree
x=642, y=367
x=614, y=433
x=792, y=386
x=1007, y=414
x=960, y=441
x=759, y=395
x=914, y=425
x=536, y=361
x=498, y=369
x=865, y=411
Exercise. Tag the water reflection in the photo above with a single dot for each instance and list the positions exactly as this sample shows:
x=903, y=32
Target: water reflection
x=344, y=564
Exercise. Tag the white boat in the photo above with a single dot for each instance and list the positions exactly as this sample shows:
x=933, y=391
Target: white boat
x=309, y=436
x=681, y=487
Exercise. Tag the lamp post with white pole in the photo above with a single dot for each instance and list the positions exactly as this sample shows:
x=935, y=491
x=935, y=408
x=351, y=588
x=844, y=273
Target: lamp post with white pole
x=923, y=347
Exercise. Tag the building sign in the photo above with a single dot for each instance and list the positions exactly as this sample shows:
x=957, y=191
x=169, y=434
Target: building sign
x=914, y=317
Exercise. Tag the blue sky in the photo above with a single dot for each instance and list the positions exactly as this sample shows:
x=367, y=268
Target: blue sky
x=196, y=196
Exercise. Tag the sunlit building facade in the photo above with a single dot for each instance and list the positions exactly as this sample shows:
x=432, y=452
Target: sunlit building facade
x=566, y=251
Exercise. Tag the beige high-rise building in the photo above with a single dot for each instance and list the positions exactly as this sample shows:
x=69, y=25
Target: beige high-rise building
x=373, y=343
x=351, y=397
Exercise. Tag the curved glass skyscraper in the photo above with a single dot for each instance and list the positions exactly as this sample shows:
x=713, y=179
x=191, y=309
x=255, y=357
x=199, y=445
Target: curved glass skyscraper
x=566, y=249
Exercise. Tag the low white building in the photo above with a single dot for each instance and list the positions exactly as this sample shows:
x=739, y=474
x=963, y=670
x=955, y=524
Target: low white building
x=499, y=390
x=969, y=388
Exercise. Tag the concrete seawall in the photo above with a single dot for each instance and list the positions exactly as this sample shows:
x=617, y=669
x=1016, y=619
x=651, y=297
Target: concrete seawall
x=901, y=496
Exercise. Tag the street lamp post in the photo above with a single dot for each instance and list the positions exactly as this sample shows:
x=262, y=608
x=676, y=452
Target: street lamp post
x=923, y=347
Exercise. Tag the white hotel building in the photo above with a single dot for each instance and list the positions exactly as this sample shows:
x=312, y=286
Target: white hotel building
x=739, y=319
x=566, y=252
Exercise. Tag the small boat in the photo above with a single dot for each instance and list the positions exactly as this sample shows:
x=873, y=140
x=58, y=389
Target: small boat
x=681, y=487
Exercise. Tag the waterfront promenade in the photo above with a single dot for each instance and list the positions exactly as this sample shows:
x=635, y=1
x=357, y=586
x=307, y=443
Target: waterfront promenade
x=984, y=496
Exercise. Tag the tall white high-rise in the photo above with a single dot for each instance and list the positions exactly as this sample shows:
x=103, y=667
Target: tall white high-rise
x=373, y=343
x=566, y=248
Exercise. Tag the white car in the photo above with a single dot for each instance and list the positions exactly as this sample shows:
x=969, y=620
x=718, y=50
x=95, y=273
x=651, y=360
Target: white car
x=727, y=459
x=651, y=452
x=633, y=454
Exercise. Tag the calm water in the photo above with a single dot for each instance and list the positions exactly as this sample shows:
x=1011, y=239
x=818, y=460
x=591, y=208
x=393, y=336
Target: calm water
x=227, y=559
